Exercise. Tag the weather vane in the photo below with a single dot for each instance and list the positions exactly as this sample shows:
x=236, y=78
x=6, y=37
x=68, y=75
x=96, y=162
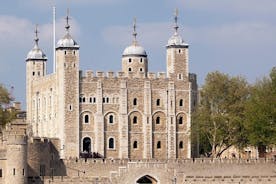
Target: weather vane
x=134, y=31
x=67, y=21
x=175, y=20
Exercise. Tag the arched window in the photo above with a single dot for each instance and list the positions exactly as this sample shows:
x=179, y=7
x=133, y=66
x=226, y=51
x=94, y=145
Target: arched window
x=141, y=60
x=83, y=99
x=111, y=143
x=181, y=145
x=158, y=102
x=94, y=100
x=134, y=119
x=135, y=101
x=181, y=102
x=158, y=145
x=180, y=121
x=86, y=118
x=86, y=145
x=158, y=120
x=80, y=99
x=90, y=99
x=135, y=145
x=129, y=69
x=107, y=100
x=129, y=60
x=141, y=69
x=111, y=119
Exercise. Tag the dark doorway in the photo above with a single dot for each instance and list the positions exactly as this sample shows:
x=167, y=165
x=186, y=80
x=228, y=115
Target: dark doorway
x=146, y=180
x=87, y=145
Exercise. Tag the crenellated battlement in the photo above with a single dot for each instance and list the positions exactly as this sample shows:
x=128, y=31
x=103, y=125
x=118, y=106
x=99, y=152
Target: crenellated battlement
x=90, y=75
x=171, y=161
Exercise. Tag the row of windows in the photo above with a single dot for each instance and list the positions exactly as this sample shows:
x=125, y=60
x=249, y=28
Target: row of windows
x=111, y=144
x=86, y=118
x=116, y=100
x=140, y=69
x=158, y=102
x=94, y=100
x=134, y=119
x=130, y=60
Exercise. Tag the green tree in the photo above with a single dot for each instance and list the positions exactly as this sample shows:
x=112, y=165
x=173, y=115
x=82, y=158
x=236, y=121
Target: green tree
x=7, y=114
x=261, y=113
x=218, y=119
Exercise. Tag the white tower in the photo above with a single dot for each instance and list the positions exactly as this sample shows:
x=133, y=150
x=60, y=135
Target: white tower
x=134, y=59
x=67, y=71
x=177, y=55
x=35, y=69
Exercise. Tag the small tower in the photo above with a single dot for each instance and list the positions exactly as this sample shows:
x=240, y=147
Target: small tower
x=177, y=55
x=67, y=71
x=134, y=59
x=35, y=69
x=16, y=168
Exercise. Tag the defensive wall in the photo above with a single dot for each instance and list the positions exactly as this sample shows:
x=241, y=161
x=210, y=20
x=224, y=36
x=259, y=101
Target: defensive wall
x=46, y=167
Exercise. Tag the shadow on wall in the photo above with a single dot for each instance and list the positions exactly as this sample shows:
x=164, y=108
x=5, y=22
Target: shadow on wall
x=43, y=160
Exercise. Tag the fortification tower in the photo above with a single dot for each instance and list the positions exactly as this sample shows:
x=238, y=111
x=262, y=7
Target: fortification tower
x=67, y=71
x=35, y=69
x=16, y=167
x=134, y=59
x=177, y=55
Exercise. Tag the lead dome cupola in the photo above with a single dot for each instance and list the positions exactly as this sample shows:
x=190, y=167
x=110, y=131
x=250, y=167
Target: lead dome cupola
x=176, y=39
x=36, y=53
x=134, y=49
x=67, y=41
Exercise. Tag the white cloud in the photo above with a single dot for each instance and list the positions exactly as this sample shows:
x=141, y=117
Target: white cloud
x=19, y=31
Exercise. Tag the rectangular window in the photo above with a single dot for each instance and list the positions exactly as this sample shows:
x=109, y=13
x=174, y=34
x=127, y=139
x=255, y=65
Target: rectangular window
x=23, y=172
x=13, y=171
x=1, y=173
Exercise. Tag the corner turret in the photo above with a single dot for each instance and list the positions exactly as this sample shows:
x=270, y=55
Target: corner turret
x=177, y=55
x=67, y=71
x=134, y=59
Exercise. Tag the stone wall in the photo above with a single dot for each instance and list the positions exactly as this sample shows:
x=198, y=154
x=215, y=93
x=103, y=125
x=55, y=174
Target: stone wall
x=164, y=172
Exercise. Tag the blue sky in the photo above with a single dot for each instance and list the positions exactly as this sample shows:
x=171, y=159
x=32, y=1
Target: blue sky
x=237, y=37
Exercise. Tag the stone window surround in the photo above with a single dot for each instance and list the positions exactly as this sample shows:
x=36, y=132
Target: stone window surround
x=86, y=121
x=111, y=119
x=108, y=143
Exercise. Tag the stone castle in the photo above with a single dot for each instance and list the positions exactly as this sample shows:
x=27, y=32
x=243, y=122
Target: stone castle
x=133, y=114
x=127, y=127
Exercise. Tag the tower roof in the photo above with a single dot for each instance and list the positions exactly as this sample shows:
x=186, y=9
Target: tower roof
x=67, y=41
x=176, y=40
x=36, y=53
x=134, y=49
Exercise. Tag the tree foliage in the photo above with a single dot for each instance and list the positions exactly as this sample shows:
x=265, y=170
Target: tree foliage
x=6, y=113
x=219, y=117
x=261, y=113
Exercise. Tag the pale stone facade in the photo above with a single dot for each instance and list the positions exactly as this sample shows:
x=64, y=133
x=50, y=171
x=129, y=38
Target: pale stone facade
x=131, y=114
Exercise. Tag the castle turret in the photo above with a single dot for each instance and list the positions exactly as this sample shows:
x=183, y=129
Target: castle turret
x=16, y=168
x=177, y=55
x=35, y=69
x=67, y=70
x=134, y=59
